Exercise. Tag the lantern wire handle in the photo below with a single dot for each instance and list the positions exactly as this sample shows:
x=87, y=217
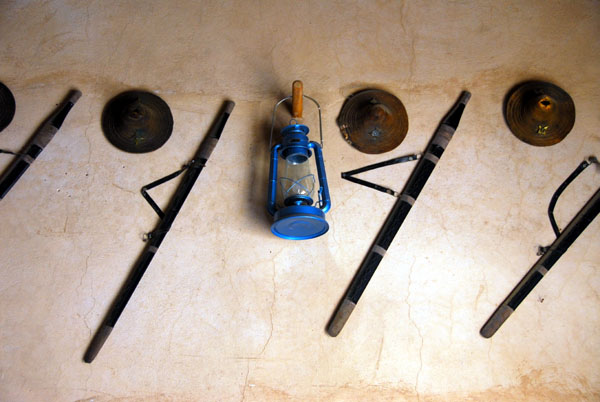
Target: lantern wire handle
x=288, y=98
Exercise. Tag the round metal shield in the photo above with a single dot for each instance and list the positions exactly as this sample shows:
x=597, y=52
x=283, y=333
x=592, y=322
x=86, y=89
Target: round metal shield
x=373, y=121
x=539, y=113
x=137, y=121
x=7, y=106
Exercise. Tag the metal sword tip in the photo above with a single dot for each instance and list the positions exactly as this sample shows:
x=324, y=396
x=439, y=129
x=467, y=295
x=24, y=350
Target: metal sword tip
x=74, y=95
x=229, y=105
x=341, y=316
x=465, y=97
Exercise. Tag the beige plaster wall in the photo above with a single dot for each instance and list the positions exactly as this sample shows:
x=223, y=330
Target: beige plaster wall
x=226, y=310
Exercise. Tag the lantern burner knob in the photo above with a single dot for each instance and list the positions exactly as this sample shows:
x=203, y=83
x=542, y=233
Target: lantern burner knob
x=298, y=200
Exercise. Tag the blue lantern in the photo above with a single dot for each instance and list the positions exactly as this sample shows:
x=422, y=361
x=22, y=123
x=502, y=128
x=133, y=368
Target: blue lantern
x=296, y=203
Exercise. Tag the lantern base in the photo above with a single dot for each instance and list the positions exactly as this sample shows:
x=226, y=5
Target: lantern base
x=299, y=222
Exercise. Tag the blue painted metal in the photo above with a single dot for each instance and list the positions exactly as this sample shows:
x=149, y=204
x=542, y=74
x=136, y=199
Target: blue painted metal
x=324, y=199
x=298, y=222
x=271, y=207
x=294, y=144
x=298, y=200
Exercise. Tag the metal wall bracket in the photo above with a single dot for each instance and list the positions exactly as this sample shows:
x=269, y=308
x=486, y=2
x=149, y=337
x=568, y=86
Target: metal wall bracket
x=350, y=174
x=587, y=162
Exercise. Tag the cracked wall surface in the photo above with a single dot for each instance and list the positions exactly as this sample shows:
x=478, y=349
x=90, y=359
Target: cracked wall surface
x=227, y=311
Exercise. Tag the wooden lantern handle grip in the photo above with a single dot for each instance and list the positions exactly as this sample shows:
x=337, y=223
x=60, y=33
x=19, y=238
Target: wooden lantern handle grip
x=297, y=99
